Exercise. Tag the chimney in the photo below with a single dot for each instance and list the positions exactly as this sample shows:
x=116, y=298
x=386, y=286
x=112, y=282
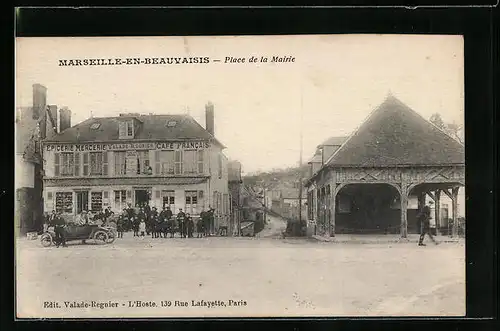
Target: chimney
x=64, y=119
x=209, y=118
x=52, y=120
x=39, y=100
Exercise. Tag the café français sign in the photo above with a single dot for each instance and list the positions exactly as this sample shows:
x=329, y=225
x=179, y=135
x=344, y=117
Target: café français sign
x=166, y=145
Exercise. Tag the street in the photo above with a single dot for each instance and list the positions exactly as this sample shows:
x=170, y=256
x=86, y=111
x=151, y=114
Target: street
x=268, y=277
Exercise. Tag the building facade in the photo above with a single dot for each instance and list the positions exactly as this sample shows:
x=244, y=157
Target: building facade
x=159, y=160
x=32, y=124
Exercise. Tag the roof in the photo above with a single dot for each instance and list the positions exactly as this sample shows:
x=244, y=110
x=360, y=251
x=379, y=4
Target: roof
x=396, y=135
x=334, y=141
x=292, y=193
x=151, y=127
x=315, y=159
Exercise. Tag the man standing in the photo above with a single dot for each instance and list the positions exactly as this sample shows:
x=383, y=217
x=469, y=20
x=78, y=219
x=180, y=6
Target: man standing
x=181, y=221
x=211, y=220
x=423, y=218
x=189, y=226
x=59, y=225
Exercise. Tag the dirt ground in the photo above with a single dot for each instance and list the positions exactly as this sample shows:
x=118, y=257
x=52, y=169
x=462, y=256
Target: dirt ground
x=239, y=277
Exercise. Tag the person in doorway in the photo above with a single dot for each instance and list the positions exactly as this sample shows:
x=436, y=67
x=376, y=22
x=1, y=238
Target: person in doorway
x=181, y=223
x=59, y=228
x=423, y=219
x=142, y=228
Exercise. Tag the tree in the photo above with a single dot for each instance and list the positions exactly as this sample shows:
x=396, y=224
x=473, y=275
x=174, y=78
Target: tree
x=452, y=129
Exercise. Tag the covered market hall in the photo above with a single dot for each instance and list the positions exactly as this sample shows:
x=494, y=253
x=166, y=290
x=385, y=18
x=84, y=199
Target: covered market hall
x=394, y=157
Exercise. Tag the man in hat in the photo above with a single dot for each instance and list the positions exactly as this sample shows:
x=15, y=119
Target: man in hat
x=180, y=220
x=423, y=218
x=59, y=225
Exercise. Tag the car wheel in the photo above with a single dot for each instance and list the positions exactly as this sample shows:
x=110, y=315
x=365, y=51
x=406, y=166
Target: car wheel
x=46, y=240
x=111, y=237
x=100, y=237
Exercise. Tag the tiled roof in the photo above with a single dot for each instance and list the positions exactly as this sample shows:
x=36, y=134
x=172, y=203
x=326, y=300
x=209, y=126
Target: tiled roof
x=394, y=134
x=151, y=127
x=334, y=141
x=315, y=159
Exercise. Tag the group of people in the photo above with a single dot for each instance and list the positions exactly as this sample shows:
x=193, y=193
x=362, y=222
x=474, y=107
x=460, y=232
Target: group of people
x=148, y=221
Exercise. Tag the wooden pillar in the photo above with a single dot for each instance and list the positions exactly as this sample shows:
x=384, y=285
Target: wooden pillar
x=437, y=210
x=404, y=208
x=421, y=201
x=454, y=202
x=328, y=194
x=333, y=208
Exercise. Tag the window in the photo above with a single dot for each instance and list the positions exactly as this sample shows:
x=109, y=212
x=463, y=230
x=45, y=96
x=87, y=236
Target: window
x=191, y=202
x=171, y=124
x=98, y=163
x=190, y=162
x=164, y=162
x=168, y=198
x=120, y=199
x=130, y=128
x=67, y=164
x=178, y=162
x=120, y=163
x=95, y=126
x=96, y=201
x=143, y=162
x=126, y=129
x=64, y=202
x=225, y=199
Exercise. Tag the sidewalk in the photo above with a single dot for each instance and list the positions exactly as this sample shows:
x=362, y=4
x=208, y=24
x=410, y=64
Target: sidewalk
x=384, y=239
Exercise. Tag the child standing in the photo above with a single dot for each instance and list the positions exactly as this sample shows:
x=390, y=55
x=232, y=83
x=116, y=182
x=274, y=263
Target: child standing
x=142, y=228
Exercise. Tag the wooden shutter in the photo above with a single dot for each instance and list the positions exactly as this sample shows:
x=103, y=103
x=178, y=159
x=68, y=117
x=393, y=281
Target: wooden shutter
x=178, y=162
x=122, y=130
x=56, y=164
x=105, y=163
x=77, y=164
x=200, y=161
x=86, y=164
x=157, y=162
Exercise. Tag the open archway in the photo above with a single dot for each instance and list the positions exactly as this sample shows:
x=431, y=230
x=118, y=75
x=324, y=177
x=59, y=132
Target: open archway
x=368, y=209
x=444, y=201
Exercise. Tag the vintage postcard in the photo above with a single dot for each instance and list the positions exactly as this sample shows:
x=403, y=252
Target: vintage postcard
x=240, y=176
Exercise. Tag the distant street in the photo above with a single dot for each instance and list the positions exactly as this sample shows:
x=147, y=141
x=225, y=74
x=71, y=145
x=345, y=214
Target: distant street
x=274, y=277
x=274, y=227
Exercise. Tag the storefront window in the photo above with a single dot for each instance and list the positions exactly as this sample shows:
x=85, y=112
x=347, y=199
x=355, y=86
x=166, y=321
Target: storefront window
x=191, y=202
x=96, y=201
x=120, y=199
x=168, y=198
x=64, y=202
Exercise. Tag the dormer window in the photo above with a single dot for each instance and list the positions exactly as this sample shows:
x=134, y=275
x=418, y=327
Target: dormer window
x=126, y=129
x=171, y=124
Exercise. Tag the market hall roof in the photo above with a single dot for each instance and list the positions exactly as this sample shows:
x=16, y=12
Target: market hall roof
x=149, y=127
x=396, y=135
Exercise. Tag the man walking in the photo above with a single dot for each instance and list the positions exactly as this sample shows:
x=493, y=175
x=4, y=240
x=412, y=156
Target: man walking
x=423, y=218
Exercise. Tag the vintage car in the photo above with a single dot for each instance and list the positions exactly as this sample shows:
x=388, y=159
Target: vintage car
x=100, y=235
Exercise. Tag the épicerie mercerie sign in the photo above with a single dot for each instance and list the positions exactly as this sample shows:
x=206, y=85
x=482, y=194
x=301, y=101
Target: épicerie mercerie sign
x=99, y=147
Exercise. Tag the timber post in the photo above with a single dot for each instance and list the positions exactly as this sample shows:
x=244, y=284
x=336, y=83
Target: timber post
x=454, y=202
x=333, y=208
x=437, y=211
x=404, y=207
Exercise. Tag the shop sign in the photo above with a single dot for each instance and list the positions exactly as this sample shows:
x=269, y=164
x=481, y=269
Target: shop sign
x=93, y=147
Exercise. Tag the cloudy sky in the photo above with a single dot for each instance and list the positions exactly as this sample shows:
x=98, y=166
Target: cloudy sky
x=333, y=84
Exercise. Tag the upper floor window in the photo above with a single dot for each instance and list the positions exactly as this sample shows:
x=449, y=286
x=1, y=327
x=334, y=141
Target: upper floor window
x=64, y=164
x=126, y=129
x=95, y=163
x=220, y=166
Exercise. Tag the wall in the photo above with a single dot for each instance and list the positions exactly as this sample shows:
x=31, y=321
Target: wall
x=24, y=172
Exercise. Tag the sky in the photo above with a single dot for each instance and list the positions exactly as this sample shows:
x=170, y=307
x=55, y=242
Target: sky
x=260, y=108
